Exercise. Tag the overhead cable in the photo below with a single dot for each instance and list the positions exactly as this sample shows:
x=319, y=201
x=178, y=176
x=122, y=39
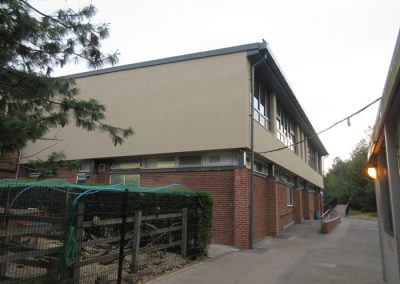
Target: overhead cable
x=347, y=118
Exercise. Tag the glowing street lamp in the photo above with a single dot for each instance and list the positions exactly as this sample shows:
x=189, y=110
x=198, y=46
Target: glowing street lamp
x=372, y=172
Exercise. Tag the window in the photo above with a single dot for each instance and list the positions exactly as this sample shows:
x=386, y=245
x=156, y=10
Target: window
x=285, y=129
x=258, y=167
x=261, y=105
x=102, y=167
x=220, y=158
x=161, y=162
x=84, y=167
x=214, y=158
x=134, y=164
x=289, y=193
x=190, y=160
x=124, y=179
x=286, y=178
x=311, y=157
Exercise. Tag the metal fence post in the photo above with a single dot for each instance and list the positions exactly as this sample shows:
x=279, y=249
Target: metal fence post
x=123, y=233
x=136, y=240
x=184, y=231
x=79, y=238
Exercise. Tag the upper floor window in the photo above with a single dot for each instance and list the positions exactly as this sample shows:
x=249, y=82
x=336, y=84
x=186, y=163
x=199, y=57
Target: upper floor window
x=133, y=164
x=261, y=105
x=311, y=156
x=285, y=129
x=161, y=162
x=190, y=160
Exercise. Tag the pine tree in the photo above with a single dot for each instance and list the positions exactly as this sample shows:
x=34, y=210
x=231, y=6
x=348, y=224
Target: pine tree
x=32, y=102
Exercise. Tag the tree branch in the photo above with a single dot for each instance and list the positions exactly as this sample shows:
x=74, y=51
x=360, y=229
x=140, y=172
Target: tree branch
x=44, y=15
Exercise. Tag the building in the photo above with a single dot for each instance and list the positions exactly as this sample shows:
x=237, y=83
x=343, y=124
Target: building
x=384, y=167
x=192, y=117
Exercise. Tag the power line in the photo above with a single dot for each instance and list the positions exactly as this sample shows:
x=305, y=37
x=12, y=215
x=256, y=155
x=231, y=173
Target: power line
x=347, y=118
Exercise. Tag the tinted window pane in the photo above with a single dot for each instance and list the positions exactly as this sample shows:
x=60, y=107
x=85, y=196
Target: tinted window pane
x=190, y=160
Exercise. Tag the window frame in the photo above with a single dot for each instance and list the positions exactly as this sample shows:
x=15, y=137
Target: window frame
x=262, y=114
x=285, y=129
x=289, y=196
x=180, y=164
x=124, y=177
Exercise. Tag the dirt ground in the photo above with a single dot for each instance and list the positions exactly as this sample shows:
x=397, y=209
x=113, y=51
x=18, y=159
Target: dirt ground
x=151, y=265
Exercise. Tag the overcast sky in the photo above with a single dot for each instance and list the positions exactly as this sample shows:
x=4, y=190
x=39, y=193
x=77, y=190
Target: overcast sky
x=335, y=54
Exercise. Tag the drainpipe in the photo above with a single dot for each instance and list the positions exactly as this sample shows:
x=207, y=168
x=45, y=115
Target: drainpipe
x=251, y=225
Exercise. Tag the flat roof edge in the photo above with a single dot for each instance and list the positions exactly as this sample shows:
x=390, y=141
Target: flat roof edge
x=185, y=57
x=292, y=96
x=391, y=83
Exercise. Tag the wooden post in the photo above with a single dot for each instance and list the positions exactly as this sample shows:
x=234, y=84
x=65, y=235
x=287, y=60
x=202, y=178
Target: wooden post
x=79, y=239
x=184, y=231
x=136, y=241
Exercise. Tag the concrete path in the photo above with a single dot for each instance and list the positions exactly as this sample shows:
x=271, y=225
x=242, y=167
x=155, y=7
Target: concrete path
x=300, y=255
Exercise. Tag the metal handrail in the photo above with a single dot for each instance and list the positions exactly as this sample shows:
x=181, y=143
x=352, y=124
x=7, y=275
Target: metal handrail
x=326, y=212
x=328, y=215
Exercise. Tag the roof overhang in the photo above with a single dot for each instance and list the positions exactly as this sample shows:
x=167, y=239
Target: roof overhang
x=390, y=102
x=280, y=85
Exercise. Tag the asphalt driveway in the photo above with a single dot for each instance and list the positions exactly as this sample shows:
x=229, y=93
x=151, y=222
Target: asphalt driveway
x=349, y=254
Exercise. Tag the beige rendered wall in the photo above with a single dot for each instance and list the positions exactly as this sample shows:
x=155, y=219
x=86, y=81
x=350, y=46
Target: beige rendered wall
x=265, y=141
x=193, y=105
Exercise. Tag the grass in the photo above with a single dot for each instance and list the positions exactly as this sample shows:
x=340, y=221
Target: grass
x=358, y=214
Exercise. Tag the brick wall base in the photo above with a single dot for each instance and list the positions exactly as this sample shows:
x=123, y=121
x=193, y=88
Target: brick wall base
x=230, y=191
x=298, y=205
x=328, y=226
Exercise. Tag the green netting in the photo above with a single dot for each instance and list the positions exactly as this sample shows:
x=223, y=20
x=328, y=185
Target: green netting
x=61, y=183
x=80, y=190
x=95, y=194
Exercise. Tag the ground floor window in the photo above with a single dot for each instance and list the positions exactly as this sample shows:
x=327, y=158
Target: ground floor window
x=125, y=179
x=289, y=192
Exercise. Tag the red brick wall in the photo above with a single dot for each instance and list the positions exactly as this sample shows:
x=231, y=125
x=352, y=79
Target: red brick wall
x=241, y=218
x=328, y=226
x=308, y=205
x=260, y=207
x=67, y=174
x=102, y=177
x=273, y=218
x=317, y=202
x=286, y=213
x=7, y=174
x=311, y=205
x=218, y=183
x=230, y=193
x=298, y=205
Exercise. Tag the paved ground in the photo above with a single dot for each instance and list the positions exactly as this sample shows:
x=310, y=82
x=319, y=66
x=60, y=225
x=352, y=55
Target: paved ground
x=300, y=255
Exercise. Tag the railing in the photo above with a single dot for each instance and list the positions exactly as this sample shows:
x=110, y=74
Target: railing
x=328, y=215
